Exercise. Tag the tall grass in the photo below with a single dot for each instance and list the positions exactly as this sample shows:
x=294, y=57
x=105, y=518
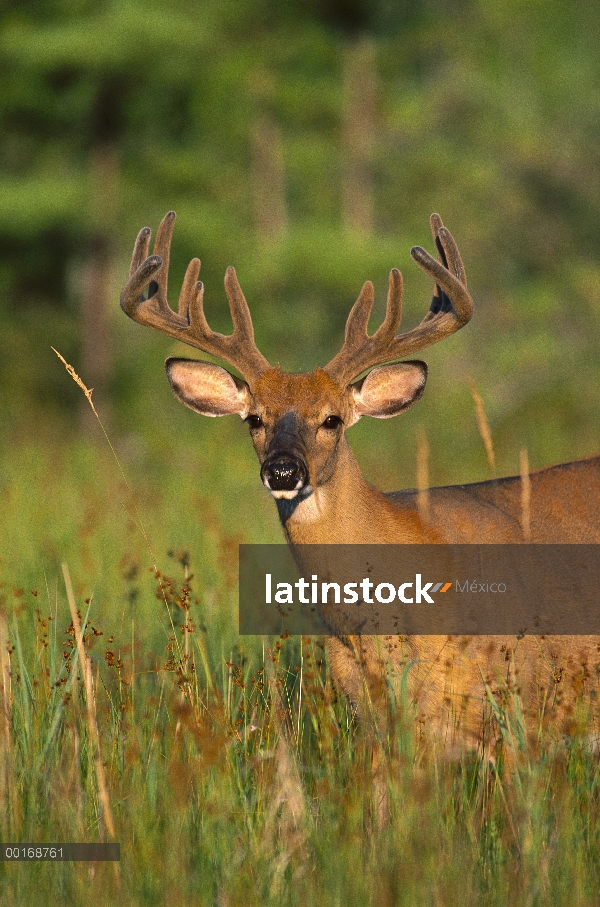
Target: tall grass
x=241, y=777
x=232, y=770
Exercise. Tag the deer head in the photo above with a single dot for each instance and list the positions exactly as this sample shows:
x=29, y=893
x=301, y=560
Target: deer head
x=297, y=421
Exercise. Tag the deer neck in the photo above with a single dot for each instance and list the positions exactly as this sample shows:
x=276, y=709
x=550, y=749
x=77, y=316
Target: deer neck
x=347, y=510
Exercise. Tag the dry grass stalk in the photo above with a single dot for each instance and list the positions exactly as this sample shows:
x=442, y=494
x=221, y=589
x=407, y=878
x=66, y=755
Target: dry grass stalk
x=86, y=390
x=76, y=795
x=76, y=777
x=88, y=679
x=88, y=393
x=483, y=425
x=286, y=815
x=5, y=684
x=525, y=494
x=422, y=474
x=5, y=719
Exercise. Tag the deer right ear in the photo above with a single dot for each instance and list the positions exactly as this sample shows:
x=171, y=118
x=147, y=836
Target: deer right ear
x=207, y=389
x=389, y=390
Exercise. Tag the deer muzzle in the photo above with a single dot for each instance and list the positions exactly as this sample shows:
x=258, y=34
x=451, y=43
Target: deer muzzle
x=284, y=474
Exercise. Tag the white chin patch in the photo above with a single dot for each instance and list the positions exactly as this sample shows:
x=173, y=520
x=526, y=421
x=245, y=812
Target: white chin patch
x=290, y=495
x=286, y=495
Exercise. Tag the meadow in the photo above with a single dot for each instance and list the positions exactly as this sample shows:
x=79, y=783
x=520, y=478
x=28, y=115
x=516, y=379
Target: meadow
x=228, y=767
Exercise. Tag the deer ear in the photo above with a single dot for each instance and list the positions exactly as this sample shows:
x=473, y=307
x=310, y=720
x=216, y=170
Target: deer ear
x=389, y=390
x=206, y=388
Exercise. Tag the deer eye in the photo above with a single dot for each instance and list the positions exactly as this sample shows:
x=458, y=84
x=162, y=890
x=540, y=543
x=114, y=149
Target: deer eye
x=254, y=422
x=331, y=423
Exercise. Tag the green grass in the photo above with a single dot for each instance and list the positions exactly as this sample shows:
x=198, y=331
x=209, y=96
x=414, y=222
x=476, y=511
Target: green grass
x=227, y=788
x=236, y=774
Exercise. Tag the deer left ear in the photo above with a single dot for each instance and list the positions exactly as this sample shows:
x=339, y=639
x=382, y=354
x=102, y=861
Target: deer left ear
x=389, y=390
x=206, y=388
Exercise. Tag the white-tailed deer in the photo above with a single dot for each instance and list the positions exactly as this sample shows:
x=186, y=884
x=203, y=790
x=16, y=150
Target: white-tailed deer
x=297, y=424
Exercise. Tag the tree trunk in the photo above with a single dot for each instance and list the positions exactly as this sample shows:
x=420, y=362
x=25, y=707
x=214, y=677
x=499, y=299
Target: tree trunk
x=97, y=285
x=268, y=179
x=358, y=135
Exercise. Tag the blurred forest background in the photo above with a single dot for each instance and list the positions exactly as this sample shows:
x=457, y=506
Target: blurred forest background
x=306, y=143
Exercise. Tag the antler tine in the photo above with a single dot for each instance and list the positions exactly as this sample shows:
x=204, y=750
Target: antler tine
x=162, y=248
x=460, y=304
x=358, y=319
x=140, y=249
x=146, y=271
x=393, y=308
x=451, y=308
x=449, y=256
x=238, y=348
x=447, y=248
x=240, y=313
x=189, y=324
x=360, y=351
x=189, y=288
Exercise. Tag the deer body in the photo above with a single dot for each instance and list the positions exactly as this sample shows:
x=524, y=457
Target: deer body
x=297, y=424
x=446, y=676
x=479, y=513
x=491, y=511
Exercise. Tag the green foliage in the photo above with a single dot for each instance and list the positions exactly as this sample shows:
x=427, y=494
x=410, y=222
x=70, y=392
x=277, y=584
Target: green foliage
x=113, y=113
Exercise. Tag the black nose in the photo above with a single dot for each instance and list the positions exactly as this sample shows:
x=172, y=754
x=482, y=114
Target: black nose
x=284, y=473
